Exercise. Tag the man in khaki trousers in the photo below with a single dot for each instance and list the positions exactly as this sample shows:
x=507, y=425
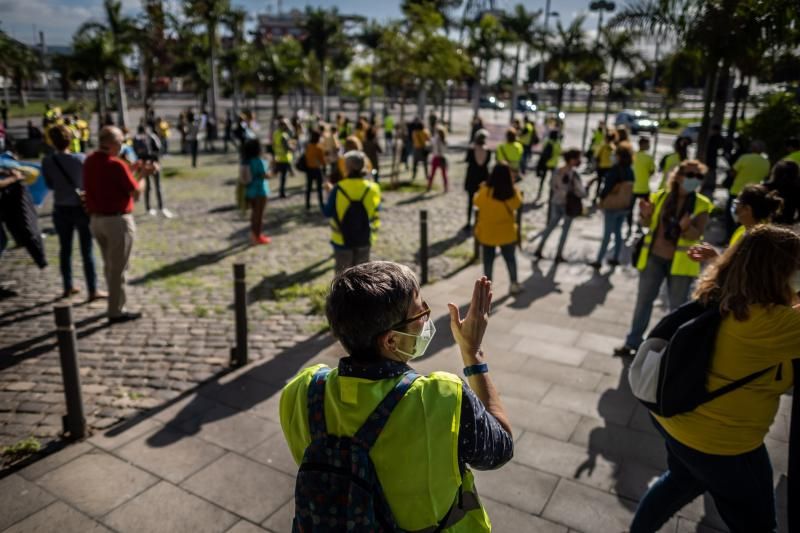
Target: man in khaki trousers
x=110, y=192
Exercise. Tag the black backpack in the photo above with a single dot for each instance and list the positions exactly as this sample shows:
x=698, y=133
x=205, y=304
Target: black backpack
x=354, y=225
x=337, y=488
x=668, y=374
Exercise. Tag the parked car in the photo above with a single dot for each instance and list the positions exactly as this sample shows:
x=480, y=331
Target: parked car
x=526, y=104
x=692, y=132
x=491, y=102
x=636, y=120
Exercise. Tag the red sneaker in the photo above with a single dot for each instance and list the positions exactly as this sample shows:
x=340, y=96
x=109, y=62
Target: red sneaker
x=263, y=239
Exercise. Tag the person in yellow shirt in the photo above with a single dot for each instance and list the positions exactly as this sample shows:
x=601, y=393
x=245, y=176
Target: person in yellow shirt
x=670, y=161
x=497, y=202
x=510, y=153
x=719, y=446
x=643, y=169
x=420, y=139
x=163, y=134
x=752, y=167
x=793, y=147
x=604, y=160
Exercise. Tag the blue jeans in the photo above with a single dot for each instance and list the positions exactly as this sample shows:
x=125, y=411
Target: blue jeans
x=650, y=280
x=67, y=220
x=612, y=224
x=557, y=212
x=741, y=486
x=508, y=251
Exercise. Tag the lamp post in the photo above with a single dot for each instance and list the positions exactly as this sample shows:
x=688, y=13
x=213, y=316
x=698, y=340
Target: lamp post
x=601, y=6
x=547, y=15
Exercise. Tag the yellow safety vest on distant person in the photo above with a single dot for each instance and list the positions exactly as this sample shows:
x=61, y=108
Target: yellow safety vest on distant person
x=510, y=153
x=354, y=188
x=682, y=265
x=279, y=146
x=416, y=455
x=553, y=161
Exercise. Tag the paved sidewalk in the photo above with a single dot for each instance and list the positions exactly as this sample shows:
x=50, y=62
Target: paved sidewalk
x=216, y=460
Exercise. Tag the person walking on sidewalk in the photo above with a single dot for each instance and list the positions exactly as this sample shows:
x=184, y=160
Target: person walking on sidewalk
x=63, y=173
x=478, y=159
x=439, y=160
x=315, y=164
x=373, y=151
x=420, y=140
x=718, y=447
x=110, y=192
x=422, y=433
x=147, y=148
x=677, y=217
x=615, y=201
x=353, y=206
x=282, y=149
x=566, y=192
x=510, y=152
x=643, y=169
x=497, y=201
x=253, y=174
x=548, y=160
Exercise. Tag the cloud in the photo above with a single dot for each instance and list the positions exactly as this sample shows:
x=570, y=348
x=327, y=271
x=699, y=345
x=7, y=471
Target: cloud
x=57, y=20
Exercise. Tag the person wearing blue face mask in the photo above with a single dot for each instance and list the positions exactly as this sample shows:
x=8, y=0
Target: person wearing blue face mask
x=676, y=216
x=436, y=425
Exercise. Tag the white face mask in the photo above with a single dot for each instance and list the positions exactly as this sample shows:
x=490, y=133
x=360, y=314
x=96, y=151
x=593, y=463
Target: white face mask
x=691, y=184
x=423, y=340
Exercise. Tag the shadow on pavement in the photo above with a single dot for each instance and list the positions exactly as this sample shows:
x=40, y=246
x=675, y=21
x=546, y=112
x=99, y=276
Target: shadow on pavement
x=239, y=393
x=264, y=289
x=190, y=263
x=537, y=286
x=590, y=294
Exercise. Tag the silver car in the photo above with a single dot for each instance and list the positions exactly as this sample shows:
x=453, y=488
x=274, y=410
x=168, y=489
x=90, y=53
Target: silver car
x=636, y=120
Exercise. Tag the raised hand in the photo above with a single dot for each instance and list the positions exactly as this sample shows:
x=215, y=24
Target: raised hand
x=468, y=333
x=702, y=252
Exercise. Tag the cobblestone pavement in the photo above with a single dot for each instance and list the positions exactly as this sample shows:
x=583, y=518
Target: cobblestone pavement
x=181, y=278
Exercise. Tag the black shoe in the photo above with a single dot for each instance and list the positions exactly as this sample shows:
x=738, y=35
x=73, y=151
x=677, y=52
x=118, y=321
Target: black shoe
x=624, y=351
x=595, y=265
x=124, y=317
x=560, y=259
x=537, y=254
x=613, y=262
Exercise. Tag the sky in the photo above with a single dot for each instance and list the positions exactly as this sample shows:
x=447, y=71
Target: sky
x=59, y=19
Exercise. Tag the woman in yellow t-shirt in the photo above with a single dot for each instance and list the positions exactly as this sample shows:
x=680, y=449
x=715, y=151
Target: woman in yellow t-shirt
x=719, y=446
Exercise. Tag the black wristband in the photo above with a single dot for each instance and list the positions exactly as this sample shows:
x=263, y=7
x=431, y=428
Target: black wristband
x=476, y=369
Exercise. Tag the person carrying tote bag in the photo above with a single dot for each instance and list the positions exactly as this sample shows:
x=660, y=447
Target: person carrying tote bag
x=615, y=201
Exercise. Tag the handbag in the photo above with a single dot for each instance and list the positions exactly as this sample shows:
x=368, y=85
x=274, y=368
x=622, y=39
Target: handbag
x=574, y=205
x=302, y=164
x=619, y=198
x=80, y=192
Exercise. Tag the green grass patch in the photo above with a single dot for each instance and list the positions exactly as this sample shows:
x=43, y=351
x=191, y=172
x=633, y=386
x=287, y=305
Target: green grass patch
x=36, y=109
x=316, y=293
x=22, y=448
x=462, y=252
x=200, y=311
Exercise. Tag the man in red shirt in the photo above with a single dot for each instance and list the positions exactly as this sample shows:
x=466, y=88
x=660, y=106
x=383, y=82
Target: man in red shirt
x=110, y=192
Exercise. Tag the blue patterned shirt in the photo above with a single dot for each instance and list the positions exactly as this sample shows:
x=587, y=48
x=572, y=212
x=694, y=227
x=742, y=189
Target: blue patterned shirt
x=482, y=442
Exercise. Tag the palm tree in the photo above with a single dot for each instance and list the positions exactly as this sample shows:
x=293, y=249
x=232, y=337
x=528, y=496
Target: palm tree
x=620, y=46
x=278, y=66
x=93, y=57
x=590, y=71
x=20, y=63
x=322, y=28
x=370, y=37
x=708, y=25
x=234, y=21
x=209, y=13
x=120, y=32
x=568, y=50
x=485, y=35
x=521, y=26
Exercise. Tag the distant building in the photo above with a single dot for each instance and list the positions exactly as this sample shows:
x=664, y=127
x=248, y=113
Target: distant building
x=272, y=27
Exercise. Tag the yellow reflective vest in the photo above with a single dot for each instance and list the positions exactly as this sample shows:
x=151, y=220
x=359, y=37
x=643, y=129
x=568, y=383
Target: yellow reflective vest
x=682, y=265
x=356, y=188
x=670, y=161
x=527, y=134
x=553, y=161
x=510, y=153
x=416, y=454
x=280, y=142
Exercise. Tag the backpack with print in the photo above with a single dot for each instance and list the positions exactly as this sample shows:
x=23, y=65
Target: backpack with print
x=354, y=225
x=337, y=488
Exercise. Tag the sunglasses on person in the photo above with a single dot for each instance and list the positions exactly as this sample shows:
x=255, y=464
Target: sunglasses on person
x=693, y=175
x=425, y=313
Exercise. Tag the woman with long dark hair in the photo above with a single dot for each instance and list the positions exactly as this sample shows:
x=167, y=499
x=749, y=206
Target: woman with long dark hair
x=616, y=200
x=719, y=446
x=253, y=173
x=478, y=158
x=497, y=201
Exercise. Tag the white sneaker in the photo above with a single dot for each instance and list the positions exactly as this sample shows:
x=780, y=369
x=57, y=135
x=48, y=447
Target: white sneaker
x=152, y=212
x=167, y=213
x=516, y=288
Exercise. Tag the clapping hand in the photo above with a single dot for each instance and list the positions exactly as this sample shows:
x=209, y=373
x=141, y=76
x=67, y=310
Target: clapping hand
x=702, y=252
x=468, y=333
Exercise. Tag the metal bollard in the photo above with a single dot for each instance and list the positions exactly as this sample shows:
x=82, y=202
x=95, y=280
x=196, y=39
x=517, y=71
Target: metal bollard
x=239, y=352
x=423, y=245
x=74, y=421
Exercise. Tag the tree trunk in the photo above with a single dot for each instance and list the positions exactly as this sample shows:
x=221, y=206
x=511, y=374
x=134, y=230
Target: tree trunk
x=560, y=96
x=610, y=90
x=721, y=94
x=589, y=101
x=372, y=87
x=737, y=98
x=708, y=95
x=515, y=86
x=745, y=96
x=422, y=100
x=275, y=98
x=212, y=59
x=324, y=100
x=476, y=89
x=122, y=101
x=101, y=103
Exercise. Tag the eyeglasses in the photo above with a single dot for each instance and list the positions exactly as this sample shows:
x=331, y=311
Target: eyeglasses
x=693, y=175
x=425, y=313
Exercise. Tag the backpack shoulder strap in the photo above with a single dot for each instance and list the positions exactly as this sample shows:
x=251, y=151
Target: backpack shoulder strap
x=341, y=190
x=316, y=404
x=371, y=430
x=366, y=192
x=736, y=384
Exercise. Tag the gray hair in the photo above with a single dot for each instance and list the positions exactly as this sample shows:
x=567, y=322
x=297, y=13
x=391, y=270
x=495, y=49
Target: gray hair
x=354, y=162
x=367, y=300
